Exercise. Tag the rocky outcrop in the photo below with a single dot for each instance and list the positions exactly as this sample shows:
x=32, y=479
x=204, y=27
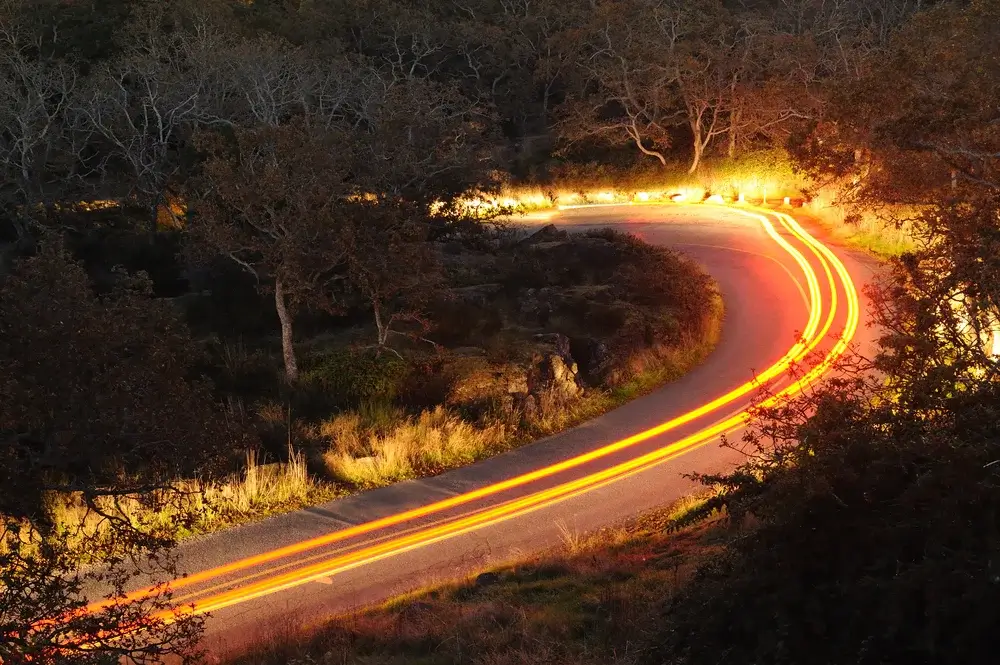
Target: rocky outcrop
x=553, y=380
x=543, y=386
x=592, y=355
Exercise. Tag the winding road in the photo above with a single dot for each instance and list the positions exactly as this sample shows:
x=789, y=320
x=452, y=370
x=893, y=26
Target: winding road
x=788, y=297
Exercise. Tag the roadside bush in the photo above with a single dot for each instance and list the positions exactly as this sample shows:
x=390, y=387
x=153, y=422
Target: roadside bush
x=347, y=377
x=876, y=537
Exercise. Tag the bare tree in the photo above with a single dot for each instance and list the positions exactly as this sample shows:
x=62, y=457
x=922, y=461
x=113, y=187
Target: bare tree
x=629, y=83
x=146, y=103
x=391, y=265
x=40, y=147
x=143, y=114
x=422, y=142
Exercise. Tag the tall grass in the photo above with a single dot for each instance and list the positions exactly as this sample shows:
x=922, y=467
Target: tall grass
x=435, y=440
x=195, y=506
x=884, y=234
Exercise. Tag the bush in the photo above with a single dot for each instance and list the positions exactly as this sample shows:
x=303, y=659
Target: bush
x=875, y=535
x=245, y=372
x=346, y=377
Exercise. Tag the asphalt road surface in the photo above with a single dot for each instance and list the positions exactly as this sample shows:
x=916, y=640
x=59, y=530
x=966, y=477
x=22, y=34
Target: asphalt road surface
x=786, y=296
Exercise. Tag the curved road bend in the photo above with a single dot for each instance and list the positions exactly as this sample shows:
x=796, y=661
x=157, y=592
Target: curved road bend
x=293, y=571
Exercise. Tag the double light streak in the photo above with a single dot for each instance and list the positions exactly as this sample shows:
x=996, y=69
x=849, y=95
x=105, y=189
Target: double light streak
x=324, y=564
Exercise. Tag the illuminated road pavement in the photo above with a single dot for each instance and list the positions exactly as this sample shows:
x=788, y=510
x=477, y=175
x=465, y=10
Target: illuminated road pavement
x=293, y=571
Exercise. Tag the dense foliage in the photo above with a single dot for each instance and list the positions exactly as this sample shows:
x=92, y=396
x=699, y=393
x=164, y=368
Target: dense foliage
x=873, y=499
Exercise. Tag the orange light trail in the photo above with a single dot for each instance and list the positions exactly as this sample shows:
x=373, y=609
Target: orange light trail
x=812, y=336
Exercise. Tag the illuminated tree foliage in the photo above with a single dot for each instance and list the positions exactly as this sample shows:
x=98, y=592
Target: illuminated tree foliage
x=921, y=122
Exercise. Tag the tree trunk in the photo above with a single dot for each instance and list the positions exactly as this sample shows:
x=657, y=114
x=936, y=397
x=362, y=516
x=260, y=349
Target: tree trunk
x=287, y=347
x=699, y=146
x=383, y=331
x=698, y=150
x=733, y=121
x=153, y=209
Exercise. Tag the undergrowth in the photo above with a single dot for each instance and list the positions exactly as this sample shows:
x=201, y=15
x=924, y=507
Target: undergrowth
x=596, y=599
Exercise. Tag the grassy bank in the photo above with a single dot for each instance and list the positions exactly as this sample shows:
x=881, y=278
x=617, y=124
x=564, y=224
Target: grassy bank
x=597, y=599
x=886, y=234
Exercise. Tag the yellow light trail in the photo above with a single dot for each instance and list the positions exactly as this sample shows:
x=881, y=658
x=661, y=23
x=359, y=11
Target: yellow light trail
x=812, y=336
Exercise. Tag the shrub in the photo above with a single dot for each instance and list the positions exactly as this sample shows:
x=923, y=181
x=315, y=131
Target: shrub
x=244, y=371
x=346, y=377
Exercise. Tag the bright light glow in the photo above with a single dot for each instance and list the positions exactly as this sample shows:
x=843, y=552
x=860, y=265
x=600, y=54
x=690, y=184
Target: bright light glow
x=279, y=577
x=742, y=198
x=716, y=199
x=642, y=196
x=788, y=200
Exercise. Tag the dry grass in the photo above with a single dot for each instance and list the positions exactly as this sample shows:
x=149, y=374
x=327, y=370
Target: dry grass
x=195, y=506
x=884, y=235
x=435, y=440
x=598, y=599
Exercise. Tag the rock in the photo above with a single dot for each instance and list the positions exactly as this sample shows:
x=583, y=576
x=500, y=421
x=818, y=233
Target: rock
x=562, y=378
x=559, y=341
x=554, y=377
x=548, y=233
x=478, y=381
x=529, y=407
x=592, y=355
x=517, y=383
